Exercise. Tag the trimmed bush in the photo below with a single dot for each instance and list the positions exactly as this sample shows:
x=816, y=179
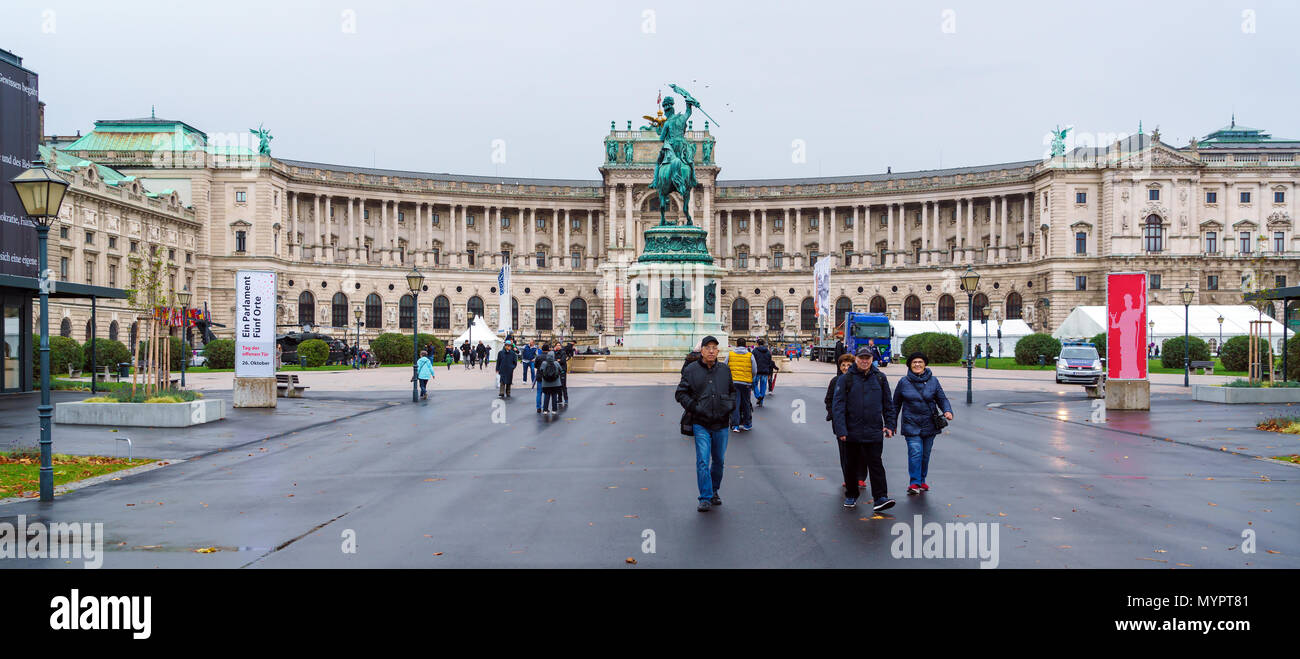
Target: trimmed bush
x=178, y=351
x=1100, y=342
x=939, y=347
x=439, y=346
x=1171, y=351
x=1030, y=347
x=1235, y=352
x=220, y=353
x=392, y=348
x=315, y=351
x=107, y=353
x=63, y=351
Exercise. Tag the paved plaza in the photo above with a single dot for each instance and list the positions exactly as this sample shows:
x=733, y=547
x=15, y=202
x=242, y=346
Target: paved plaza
x=462, y=480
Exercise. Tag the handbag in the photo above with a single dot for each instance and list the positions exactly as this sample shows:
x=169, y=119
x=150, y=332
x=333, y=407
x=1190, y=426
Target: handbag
x=936, y=417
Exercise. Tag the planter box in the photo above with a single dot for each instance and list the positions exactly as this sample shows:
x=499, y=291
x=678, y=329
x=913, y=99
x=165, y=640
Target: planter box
x=162, y=415
x=1241, y=395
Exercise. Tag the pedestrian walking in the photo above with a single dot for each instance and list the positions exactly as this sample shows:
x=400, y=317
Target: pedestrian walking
x=447, y=355
x=466, y=353
x=923, y=411
x=481, y=355
x=528, y=354
x=548, y=373
x=763, y=365
x=742, y=366
x=537, y=365
x=562, y=358
x=707, y=395
x=507, y=359
x=843, y=364
x=863, y=415
x=424, y=371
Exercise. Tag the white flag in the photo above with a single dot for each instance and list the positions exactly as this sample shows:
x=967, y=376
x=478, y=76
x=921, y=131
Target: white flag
x=503, y=290
x=822, y=285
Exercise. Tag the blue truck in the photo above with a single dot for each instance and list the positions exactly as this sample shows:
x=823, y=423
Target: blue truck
x=853, y=333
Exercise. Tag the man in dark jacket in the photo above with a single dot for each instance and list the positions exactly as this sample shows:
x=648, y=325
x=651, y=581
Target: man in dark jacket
x=707, y=395
x=507, y=359
x=762, y=370
x=528, y=354
x=481, y=355
x=863, y=415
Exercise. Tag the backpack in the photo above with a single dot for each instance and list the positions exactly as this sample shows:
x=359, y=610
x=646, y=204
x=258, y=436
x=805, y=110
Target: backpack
x=550, y=370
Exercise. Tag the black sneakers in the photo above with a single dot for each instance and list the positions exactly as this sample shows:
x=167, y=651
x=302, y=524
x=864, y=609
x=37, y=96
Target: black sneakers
x=703, y=507
x=883, y=503
x=716, y=500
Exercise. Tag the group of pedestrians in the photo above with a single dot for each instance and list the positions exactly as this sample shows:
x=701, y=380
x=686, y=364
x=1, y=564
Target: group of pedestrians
x=862, y=409
x=475, y=355
x=551, y=378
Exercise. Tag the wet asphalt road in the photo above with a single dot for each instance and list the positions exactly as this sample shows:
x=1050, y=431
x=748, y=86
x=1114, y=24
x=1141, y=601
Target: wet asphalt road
x=439, y=484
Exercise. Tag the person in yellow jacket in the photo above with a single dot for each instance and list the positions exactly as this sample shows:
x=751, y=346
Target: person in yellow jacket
x=742, y=365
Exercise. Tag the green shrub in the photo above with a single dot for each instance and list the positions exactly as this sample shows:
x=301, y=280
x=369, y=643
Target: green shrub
x=1235, y=352
x=391, y=348
x=1030, y=347
x=1100, y=342
x=439, y=346
x=220, y=353
x=123, y=395
x=1293, y=358
x=107, y=353
x=177, y=355
x=315, y=351
x=63, y=351
x=1171, y=351
x=940, y=348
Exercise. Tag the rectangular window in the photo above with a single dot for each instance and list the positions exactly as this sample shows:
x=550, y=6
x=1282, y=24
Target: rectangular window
x=63, y=232
x=112, y=242
x=1245, y=242
x=1212, y=242
x=848, y=222
x=541, y=259
x=742, y=260
x=1211, y=197
x=171, y=255
x=1155, y=282
x=435, y=219
x=812, y=258
x=505, y=256
x=1245, y=197
x=401, y=216
x=742, y=224
x=778, y=223
x=1153, y=194
x=241, y=241
x=63, y=268
x=241, y=197
x=541, y=223
x=112, y=276
x=470, y=252
x=365, y=213
x=1080, y=243
x=331, y=211
x=1279, y=197
x=469, y=221
x=1279, y=241
x=848, y=258
x=1081, y=197
x=812, y=223
x=777, y=258
x=1212, y=282
x=135, y=247
x=575, y=260
x=577, y=224
x=189, y=256
x=90, y=238
x=505, y=221
x=90, y=272
x=1279, y=281
x=1080, y=282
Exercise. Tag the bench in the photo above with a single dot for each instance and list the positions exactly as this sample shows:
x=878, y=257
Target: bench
x=287, y=386
x=1202, y=367
x=73, y=372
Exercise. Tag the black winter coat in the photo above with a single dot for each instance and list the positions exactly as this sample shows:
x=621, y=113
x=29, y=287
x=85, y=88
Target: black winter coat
x=914, y=406
x=830, y=396
x=762, y=361
x=707, y=394
x=862, y=408
x=506, y=362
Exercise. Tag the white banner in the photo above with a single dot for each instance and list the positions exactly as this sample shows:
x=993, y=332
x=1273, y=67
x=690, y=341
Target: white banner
x=822, y=286
x=503, y=290
x=255, y=313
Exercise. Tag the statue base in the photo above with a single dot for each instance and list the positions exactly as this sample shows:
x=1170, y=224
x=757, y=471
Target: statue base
x=671, y=243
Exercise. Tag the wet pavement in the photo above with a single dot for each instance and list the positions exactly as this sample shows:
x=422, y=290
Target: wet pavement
x=465, y=481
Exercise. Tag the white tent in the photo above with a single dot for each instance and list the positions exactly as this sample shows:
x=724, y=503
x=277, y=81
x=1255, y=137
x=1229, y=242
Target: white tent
x=1012, y=331
x=1202, y=322
x=479, y=331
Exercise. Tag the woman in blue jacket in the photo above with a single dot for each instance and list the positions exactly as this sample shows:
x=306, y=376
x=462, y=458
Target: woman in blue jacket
x=916, y=397
x=424, y=369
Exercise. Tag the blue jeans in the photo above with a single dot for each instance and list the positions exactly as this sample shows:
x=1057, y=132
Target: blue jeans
x=709, y=444
x=539, y=392
x=760, y=385
x=743, y=413
x=529, y=367
x=918, y=458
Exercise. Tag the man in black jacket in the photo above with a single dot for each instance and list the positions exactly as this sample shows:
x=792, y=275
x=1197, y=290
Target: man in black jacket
x=762, y=371
x=863, y=415
x=707, y=395
x=507, y=359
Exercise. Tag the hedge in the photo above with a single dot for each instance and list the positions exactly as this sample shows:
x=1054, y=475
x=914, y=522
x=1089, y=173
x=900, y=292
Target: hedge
x=1030, y=347
x=392, y=348
x=107, y=353
x=220, y=353
x=1293, y=358
x=177, y=355
x=315, y=351
x=1234, y=352
x=1100, y=342
x=939, y=348
x=63, y=351
x=1171, y=351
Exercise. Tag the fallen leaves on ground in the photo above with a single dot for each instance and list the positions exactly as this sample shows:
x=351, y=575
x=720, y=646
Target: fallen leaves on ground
x=630, y=561
x=206, y=550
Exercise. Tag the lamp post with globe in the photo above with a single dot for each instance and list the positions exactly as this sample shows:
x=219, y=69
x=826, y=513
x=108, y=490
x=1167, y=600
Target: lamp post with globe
x=970, y=280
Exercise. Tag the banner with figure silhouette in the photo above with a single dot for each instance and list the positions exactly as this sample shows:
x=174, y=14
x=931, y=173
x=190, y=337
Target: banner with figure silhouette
x=1126, y=333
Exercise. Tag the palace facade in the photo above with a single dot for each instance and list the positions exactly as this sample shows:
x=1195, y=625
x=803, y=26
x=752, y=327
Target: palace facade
x=1216, y=214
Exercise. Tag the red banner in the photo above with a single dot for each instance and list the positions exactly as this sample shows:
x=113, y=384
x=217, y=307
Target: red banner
x=618, y=307
x=1126, y=332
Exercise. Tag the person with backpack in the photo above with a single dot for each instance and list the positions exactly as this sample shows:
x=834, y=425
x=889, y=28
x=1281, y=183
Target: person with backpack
x=763, y=366
x=707, y=396
x=424, y=372
x=863, y=415
x=507, y=359
x=528, y=354
x=741, y=364
x=549, y=375
x=924, y=410
x=843, y=364
x=562, y=358
x=537, y=374
x=448, y=355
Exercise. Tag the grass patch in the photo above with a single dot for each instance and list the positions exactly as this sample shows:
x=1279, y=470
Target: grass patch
x=162, y=396
x=20, y=471
x=57, y=384
x=1293, y=459
x=1262, y=385
x=1009, y=364
x=1287, y=424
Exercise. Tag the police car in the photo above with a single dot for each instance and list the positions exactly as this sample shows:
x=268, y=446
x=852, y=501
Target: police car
x=1078, y=363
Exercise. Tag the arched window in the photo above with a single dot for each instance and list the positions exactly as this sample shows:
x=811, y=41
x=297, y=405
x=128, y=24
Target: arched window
x=775, y=309
x=339, y=310
x=374, y=311
x=112, y=331
x=441, y=313
x=306, y=308
x=947, y=307
x=1014, y=306
x=514, y=314
x=740, y=315
x=807, y=315
x=912, y=308
x=578, y=315
x=1153, y=234
x=543, y=312
x=842, y=307
x=475, y=306
x=65, y=328
x=406, y=312
x=981, y=301
x=90, y=331
x=877, y=304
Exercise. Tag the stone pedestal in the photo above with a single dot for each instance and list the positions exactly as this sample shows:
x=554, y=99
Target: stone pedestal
x=1128, y=394
x=674, y=288
x=254, y=392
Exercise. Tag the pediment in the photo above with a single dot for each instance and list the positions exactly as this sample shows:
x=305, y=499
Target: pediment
x=1086, y=226
x=1244, y=223
x=241, y=223
x=1211, y=225
x=1159, y=155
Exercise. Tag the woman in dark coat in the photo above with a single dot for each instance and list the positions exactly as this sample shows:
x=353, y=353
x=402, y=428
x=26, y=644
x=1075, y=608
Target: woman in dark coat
x=844, y=362
x=916, y=397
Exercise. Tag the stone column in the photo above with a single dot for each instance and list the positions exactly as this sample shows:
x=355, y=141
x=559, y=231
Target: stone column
x=731, y=245
x=938, y=233
x=821, y=232
x=1002, y=252
x=857, y=244
x=628, y=238
x=532, y=234
x=925, y=233
x=869, y=246
x=890, y=235
x=786, y=262
x=763, y=249
x=753, y=240
x=589, y=252
x=708, y=215
x=1024, y=237
x=970, y=230
x=315, y=212
x=833, y=230
x=555, y=234
x=611, y=217
x=568, y=247
x=293, y=223
x=349, y=254
x=796, y=233
x=382, y=244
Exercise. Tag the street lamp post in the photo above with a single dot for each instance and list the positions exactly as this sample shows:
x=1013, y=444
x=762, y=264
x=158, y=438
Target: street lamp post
x=41, y=192
x=970, y=280
x=1187, y=294
x=356, y=354
x=999, y=337
x=984, y=318
x=1220, y=346
x=184, y=298
x=414, y=280
x=1151, y=336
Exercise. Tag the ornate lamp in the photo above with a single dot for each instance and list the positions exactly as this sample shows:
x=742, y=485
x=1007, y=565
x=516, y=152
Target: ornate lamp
x=970, y=280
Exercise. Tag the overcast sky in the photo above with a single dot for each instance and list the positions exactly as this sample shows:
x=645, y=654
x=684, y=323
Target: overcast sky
x=429, y=86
